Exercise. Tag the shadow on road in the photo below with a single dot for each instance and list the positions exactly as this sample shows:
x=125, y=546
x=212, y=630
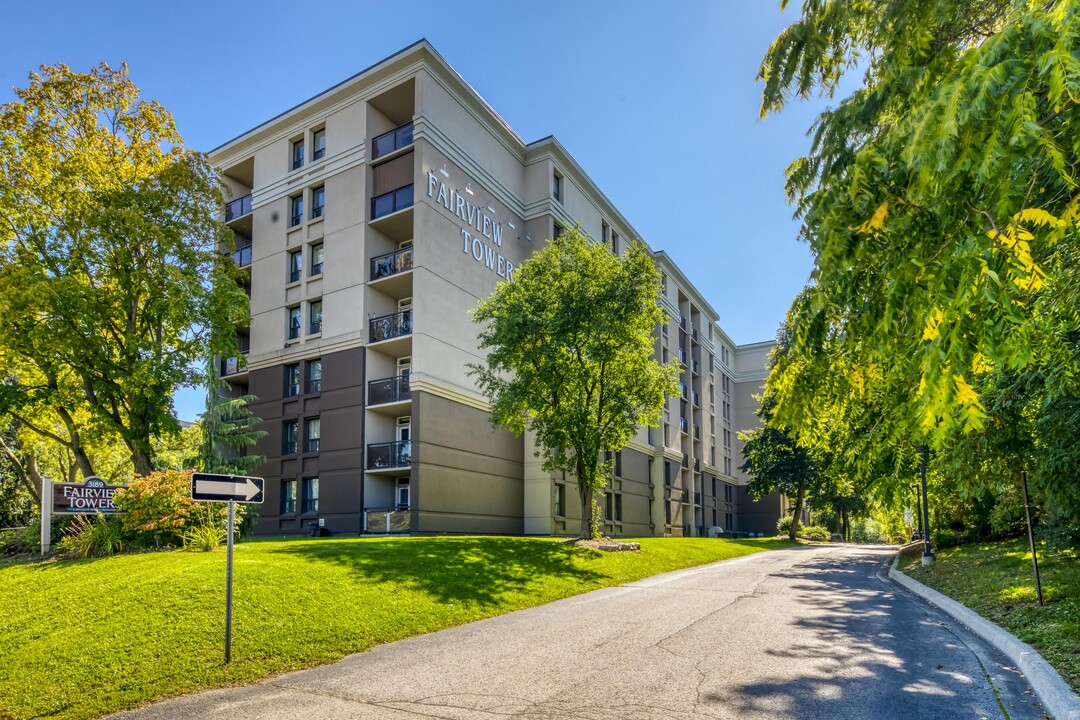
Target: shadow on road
x=861, y=645
x=466, y=570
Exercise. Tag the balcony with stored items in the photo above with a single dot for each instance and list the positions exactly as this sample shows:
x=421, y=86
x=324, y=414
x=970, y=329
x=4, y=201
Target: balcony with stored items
x=390, y=327
x=389, y=456
x=235, y=368
x=391, y=273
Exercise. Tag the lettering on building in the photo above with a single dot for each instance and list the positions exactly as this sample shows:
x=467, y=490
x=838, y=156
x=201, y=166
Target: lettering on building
x=483, y=237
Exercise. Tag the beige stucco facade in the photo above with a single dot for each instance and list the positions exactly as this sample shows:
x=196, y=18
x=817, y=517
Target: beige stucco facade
x=370, y=220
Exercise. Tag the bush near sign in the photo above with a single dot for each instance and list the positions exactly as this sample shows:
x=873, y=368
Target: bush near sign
x=90, y=496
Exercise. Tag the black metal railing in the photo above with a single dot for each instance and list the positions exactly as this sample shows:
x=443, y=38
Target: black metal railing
x=242, y=256
x=390, y=326
x=230, y=366
x=392, y=141
x=696, y=397
x=391, y=263
x=391, y=202
x=682, y=390
x=697, y=432
x=388, y=390
x=684, y=425
x=237, y=208
x=389, y=455
x=685, y=460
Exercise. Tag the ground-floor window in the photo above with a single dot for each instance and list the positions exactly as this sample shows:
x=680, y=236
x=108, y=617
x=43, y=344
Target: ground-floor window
x=288, y=497
x=403, y=493
x=310, y=490
x=560, y=500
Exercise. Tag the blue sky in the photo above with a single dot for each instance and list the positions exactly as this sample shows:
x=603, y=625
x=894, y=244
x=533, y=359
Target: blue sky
x=656, y=101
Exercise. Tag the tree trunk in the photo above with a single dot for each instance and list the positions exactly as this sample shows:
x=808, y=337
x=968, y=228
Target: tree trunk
x=844, y=530
x=141, y=461
x=585, y=491
x=75, y=443
x=799, y=499
x=27, y=473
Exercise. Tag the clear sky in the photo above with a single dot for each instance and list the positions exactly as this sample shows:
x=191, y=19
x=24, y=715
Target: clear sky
x=656, y=101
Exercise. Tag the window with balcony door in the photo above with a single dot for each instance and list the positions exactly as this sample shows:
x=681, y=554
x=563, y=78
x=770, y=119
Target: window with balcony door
x=294, y=323
x=312, y=435
x=296, y=265
x=296, y=210
x=292, y=380
x=297, y=155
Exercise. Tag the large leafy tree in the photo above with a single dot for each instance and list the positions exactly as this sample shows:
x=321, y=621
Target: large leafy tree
x=570, y=355
x=109, y=231
x=939, y=200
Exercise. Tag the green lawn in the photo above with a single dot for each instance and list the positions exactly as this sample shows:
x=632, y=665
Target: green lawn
x=82, y=638
x=996, y=580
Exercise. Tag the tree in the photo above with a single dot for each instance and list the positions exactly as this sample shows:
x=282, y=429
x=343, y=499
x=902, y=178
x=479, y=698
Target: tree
x=228, y=429
x=109, y=249
x=570, y=355
x=938, y=199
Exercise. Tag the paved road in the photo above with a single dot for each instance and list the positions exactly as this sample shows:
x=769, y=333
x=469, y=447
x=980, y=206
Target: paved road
x=802, y=633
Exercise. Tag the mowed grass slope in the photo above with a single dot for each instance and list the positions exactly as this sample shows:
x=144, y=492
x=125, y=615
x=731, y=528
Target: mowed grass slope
x=82, y=638
x=996, y=580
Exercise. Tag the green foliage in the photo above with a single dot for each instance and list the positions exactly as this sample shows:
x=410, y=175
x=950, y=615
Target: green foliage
x=159, y=510
x=91, y=536
x=24, y=541
x=868, y=531
x=570, y=355
x=228, y=428
x=205, y=537
x=330, y=598
x=814, y=532
x=783, y=525
x=109, y=250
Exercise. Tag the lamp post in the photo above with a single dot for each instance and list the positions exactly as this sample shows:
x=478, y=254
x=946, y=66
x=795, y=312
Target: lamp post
x=928, y=554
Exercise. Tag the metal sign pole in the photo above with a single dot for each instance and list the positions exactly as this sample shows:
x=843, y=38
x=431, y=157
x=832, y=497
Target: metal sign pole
x=1031, y=537
x=928, y=553
x=228, y=584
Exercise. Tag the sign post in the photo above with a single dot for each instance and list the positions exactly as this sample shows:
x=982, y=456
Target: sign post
x=46, y=515
x=232, y=489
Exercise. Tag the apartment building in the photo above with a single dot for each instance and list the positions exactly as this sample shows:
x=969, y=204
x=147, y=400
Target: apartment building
x=368, y=221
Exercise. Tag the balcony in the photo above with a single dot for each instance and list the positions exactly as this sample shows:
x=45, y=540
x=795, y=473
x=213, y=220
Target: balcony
x=697, y=432
x=230, y=366
x=697, y=498
x=682, y=390
x=693, y=332
x=696, y=367
x=389, y=456
x=391, y=263
x=391, y=202
x=696, y=398
x=684, y=426
x=392, y=141
x=238, y=208
x=389, y=390
x=388, y=327
x=685, y=460
x=242, y=257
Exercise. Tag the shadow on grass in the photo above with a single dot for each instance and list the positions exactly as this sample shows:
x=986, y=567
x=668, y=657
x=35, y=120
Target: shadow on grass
x=481, y=571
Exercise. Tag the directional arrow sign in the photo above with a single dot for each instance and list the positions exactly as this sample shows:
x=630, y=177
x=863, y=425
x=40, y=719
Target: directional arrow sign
x=225, y=488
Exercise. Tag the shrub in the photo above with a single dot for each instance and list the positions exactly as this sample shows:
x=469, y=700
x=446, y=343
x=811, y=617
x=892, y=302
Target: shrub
x=24, y=541
x=1060, y=537
x=160, y=505
x=204, y=538
x=92, y=536
x=814, y=532
x=783, y=525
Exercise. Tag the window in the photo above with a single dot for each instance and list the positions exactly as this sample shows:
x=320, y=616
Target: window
x=727, y=493
x=604, y=232
x=316, y=259
x=288, y=497
x=288, y=437
x=560, y=497
x=729, y=521
x=663, y=282
x=618, y=507
x=558, y=230
x=292, y=380
x=727, y=466
x=311, y=435
x=667, y=511
x=294, y=322
x=310, y=497
x=318, y=198
x=314, y=376
x=618, y=463
x=609, y=507
x=315, y=317
x=296, y=210
x=727, y=438
x=402, y=493
x=296, y=265
x=318, y=144
x=615, y=243
x=556, y=186
x=667, y=474
x=297, y=154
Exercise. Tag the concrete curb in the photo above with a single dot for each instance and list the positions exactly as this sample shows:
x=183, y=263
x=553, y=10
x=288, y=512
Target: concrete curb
x=1053, y=692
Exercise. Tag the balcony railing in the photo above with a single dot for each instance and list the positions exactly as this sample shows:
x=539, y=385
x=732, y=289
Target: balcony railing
x=685, y=460
x=696, y=397
x=230, y=366
x=391, y=263
x=696, y=367
x=390, y=326
x=682, y=390
x=386, y=520
x=238, y=208
x=697, y=432
x=242, y=256
x=684, y=425
x=389, y=455
x=388, y=390
x=391, y=202
x=391, y=141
